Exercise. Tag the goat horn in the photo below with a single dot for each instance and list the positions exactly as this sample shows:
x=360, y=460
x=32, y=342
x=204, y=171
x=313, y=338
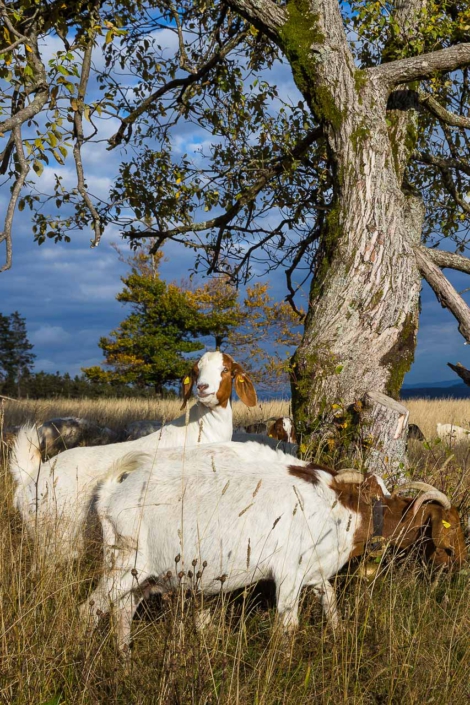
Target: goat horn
x=417, y=485
x=350, y=475
x=436, y=495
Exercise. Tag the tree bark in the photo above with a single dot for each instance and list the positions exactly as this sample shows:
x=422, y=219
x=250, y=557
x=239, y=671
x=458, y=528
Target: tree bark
x=386, y=428
x=360, y=331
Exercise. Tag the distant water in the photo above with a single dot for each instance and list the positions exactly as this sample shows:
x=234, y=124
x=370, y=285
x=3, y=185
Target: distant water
x=454, y=391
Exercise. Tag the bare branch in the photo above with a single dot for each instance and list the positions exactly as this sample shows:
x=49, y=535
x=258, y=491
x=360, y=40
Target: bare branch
x=419, y=67
x=440, y=112
x=6, y=155
x=448, y=260
x=77, y=155
x=462, y=372
x=175, y=83
x=445, y=292
x=5, y=50
x=29, y=111
x=184, y=63
x=5, y=236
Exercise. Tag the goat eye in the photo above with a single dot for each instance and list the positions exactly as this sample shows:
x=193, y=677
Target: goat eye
x=225, y=369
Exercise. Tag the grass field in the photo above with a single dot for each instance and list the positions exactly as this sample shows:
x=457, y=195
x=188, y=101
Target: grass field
x=405, y=638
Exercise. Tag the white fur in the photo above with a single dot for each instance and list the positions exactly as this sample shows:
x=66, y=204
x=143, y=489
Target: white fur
x=244, y=437
x=62, y=489
x=232, y=505
x=448, y=431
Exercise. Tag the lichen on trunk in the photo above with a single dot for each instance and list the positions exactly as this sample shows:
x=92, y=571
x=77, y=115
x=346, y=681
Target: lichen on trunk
x=360, y=332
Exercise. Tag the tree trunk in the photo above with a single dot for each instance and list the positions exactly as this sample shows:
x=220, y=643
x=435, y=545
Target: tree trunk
x=360, y=331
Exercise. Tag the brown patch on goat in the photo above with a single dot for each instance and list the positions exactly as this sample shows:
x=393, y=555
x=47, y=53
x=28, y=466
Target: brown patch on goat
x=224, y=391
x=309, y=472
x=234, y=372
x=437, y=528
x=278, y=431
x=187, y=384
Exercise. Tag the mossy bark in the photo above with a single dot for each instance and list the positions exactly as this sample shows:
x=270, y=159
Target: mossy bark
x=360, y=331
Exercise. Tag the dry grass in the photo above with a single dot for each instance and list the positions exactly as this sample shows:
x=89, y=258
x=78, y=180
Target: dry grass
x=406, y=637
x=116, y=413
x=427, y=413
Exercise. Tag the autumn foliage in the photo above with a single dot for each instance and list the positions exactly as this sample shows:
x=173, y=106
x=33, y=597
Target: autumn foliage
x=169, y=321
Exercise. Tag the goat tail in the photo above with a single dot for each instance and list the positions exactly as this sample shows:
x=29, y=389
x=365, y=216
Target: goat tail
x=115, y=476
x=26, y=456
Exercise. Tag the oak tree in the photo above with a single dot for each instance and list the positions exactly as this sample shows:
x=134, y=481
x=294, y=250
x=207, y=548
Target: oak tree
x=357, y=182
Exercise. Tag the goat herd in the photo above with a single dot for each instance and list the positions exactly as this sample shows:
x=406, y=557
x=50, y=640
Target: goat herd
x=197, y=504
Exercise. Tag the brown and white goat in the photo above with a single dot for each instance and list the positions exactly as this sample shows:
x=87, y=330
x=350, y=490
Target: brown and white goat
x=245, y=513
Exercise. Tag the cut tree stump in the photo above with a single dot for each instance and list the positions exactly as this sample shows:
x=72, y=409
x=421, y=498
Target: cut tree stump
x=386, y=419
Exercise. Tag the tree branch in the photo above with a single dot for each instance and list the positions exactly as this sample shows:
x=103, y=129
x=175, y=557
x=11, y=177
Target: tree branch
x=118, y=137
x=265, y=15
x=38, y=86
x=246, y=197
x=448, y=260
x=445, y=292
x=440, y=112
x=448, y=182
x=419, y=67
x=5, y=236
x=77, y=154
x=441, y=162
x=462, y=372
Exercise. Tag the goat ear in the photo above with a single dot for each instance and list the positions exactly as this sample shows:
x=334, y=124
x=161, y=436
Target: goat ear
x=187, y=385
x=244, y=386
x=441, y=530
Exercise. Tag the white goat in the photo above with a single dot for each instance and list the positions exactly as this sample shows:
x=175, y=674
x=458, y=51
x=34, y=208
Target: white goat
x=62, y=488
x=226, y=515
x=450, y=432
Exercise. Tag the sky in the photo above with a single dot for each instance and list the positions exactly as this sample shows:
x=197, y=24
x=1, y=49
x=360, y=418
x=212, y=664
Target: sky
x=67, y=292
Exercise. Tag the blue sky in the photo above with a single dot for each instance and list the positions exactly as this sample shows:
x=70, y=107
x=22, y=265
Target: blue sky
x=67, y=292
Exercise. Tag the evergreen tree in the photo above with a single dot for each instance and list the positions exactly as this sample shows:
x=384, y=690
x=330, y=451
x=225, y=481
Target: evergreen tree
x=168, y=321
x=16, y=358
x=147, y=348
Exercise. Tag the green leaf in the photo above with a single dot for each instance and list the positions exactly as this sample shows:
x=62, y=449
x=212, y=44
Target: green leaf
x=38, y=167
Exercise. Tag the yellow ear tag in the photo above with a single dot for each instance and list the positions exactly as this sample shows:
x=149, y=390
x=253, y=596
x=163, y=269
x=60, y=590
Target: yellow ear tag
x=186, y=380
x=240, y=379
x=446, y=524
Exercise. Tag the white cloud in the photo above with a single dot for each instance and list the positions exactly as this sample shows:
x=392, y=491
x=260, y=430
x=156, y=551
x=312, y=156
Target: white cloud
x=49, y=335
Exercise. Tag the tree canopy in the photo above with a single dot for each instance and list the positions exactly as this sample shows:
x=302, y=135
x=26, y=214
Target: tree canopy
x=265, y=154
